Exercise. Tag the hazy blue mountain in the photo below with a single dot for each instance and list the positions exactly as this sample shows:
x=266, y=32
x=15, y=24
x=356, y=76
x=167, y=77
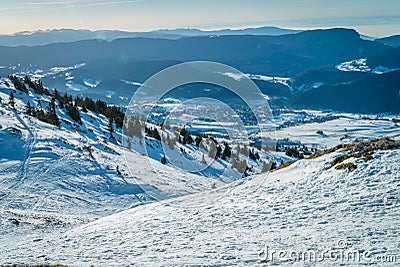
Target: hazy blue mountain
x=267, y=30
x=393, y=41
x=285, y=55
x=389, y=58
x=327, y=76
x=69, y=35
x=371, y=94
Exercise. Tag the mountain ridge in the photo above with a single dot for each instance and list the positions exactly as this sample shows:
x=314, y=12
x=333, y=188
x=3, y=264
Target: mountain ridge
x=44, y=37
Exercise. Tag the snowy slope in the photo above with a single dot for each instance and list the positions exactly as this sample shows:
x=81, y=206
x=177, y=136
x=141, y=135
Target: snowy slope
x=63, y=201
x=306, y=206
x=51, y=177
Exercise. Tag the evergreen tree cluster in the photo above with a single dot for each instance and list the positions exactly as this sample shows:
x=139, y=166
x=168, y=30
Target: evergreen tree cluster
x=198, y=140
x=100, y=107
x=66, y=101
x=37, y=86
x=186, y=137
x=227, y=151
x=242, y=149
x=240, y=165
x=11, y=100
x=215, y=150
x=294, y=152
x=170, y=141
x=48, y=116
x=267, y=166
x=18, y=83
x=153, y=132
x=253, y=154
x=73, y=112
x=134, y=127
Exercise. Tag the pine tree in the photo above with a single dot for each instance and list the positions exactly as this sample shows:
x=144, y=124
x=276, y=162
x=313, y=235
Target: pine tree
x=234, y=163
x=187, y=137
x=39, y=111
x=51, y=115
x=27, y=80
x=11, y=100
x=254, y=155
x=118, y=171
x=28, y=108
x=84, y=109
x=164, y=160
x=212, y=152
x=198, y=140
x=242, y=166
x=203, y=159
x=227, y=152
x=57, y=94
x=18, y=84
x=111, y=127
x=73, y=112
x=273, y=165
x=128, y=130
x=129, y=143
x=138, y=128
x=60, y=103
x=171, y=142
x=153, y=132
x=219, y=152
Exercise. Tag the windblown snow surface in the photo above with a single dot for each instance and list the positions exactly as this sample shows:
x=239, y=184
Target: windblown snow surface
x=300, y=208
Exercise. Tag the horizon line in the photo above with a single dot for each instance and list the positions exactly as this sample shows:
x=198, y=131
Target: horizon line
x=202, y=29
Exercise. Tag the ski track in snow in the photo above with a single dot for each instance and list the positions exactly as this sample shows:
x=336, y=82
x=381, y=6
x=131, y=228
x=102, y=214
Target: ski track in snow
x=25, y=161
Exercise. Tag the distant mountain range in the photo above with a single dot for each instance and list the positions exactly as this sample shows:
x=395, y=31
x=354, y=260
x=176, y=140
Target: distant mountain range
x=284, y=55
x=69, y=35
x=324, y=69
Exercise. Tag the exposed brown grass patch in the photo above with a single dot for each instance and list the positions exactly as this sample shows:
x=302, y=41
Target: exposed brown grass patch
x=350, y=166
x=286, y=164
x=363, y=149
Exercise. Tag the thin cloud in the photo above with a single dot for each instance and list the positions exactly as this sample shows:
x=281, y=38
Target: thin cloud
x=82, y=3
x=46, y=3
x=109, y=3
x=58, y=5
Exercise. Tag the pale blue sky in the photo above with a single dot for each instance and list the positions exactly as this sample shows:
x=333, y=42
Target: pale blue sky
x=375, y=18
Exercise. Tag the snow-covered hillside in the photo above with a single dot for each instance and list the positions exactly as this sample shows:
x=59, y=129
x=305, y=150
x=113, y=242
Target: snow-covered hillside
x=305, y=207
x=67, y=195
x=58, y=177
